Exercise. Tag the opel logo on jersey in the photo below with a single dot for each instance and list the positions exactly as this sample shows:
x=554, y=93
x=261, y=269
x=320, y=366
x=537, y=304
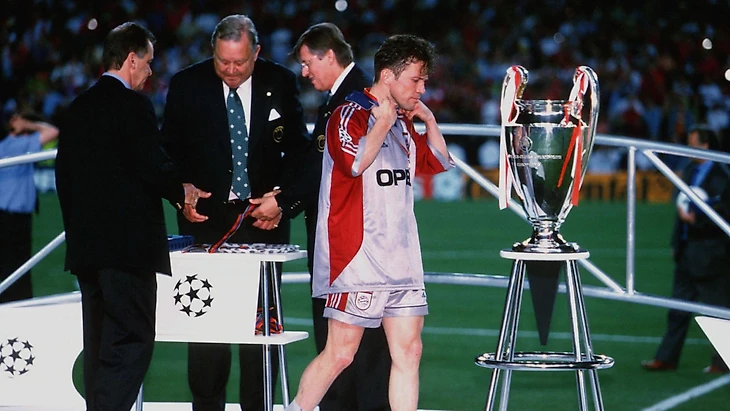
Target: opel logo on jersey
x=393, y=177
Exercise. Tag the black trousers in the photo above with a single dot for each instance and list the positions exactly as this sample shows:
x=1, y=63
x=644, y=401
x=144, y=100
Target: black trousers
x=714, y=290
x=209, y=364
x=363, y=386
x=15, y=249
x=118, y=311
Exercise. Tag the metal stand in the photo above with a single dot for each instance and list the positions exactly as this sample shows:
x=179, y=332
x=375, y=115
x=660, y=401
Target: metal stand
x=270, y=272
x=580, y=360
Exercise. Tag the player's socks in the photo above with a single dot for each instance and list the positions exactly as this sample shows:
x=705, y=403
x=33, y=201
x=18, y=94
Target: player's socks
x=293, y=406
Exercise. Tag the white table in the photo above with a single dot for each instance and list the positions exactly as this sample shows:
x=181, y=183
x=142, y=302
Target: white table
x=52, y=326
x=230, y=283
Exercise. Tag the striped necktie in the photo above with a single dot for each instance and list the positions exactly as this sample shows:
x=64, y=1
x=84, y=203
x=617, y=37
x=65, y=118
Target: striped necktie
x=239, y=145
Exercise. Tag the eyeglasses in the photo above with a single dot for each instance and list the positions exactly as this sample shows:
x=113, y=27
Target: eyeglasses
x=307, y=64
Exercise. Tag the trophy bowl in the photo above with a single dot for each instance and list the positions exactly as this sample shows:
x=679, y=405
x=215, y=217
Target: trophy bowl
x=546, y=146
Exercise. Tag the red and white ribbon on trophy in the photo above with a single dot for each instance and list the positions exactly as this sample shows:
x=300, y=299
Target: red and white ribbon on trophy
x=575, y=149
x=509, y=111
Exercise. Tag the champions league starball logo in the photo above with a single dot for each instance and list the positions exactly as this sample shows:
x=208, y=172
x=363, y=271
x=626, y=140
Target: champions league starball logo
x=16, y=357
x=193, y=295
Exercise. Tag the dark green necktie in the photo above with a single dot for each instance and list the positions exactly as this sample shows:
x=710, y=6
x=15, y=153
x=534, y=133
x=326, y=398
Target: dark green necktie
x=239, y=145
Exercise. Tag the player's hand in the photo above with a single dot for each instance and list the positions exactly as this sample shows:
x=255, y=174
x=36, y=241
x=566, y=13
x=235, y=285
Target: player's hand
x=385, y=112
x=421, y=111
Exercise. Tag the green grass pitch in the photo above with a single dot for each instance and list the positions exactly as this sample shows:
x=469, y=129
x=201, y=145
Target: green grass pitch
x=466, y=237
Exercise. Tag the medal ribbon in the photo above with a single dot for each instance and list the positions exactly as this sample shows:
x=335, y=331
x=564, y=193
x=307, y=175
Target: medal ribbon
x=580, y=85
x=509, y=113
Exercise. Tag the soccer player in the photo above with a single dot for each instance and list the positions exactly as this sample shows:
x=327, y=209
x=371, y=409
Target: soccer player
x=328, y=63
x=368, y=259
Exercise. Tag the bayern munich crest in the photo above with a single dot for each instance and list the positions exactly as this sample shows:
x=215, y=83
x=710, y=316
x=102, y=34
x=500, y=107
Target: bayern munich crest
x=193, y=295
x=16, y=357
x=363, y=300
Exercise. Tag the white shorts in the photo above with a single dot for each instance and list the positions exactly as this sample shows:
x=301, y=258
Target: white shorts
x=368, y=308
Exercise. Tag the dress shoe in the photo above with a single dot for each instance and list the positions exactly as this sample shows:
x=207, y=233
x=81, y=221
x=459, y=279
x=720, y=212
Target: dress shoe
x=715, y=369
x=657, y=365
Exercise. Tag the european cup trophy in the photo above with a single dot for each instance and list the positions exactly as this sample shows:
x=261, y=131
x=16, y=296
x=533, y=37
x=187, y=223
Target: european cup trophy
x=544, y=150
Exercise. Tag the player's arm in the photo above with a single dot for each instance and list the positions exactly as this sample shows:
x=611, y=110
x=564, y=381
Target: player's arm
x=385, y=116
x=48, y=132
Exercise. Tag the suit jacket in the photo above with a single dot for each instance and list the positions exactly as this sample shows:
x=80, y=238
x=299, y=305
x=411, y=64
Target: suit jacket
x=356, y=80
x=196, y=132
x=111, y=174
x=704, y=243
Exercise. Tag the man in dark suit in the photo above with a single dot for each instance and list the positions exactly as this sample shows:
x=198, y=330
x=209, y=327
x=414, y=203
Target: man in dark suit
x=701, y=254
x=111, y=174
x=236, y=122
x=327, y=61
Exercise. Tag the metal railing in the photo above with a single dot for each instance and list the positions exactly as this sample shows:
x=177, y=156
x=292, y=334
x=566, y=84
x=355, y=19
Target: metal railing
x=612, y=289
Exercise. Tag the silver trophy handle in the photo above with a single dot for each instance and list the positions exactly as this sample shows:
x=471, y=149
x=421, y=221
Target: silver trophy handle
x=595, y=94
x=595, y=100
x=524, y=77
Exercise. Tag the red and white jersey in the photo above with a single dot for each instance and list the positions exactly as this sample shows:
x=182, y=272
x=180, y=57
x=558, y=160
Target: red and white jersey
x=367, y=238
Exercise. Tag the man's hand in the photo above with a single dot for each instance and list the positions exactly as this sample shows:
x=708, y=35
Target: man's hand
x=192, y=194
x=269, y=224
x=268, y=208
x=687, y=217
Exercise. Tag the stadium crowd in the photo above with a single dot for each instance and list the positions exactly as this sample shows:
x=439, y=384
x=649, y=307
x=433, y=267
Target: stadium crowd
x=657, y=76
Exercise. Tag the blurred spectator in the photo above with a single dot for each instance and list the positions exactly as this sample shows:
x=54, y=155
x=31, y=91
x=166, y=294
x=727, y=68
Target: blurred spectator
x=18, y=199
x=605, y=160
x=657, y=78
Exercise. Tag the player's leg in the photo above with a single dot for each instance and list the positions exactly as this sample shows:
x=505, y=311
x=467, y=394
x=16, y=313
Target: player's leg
x=342, y=342
x=404, y=340
x=403, y=323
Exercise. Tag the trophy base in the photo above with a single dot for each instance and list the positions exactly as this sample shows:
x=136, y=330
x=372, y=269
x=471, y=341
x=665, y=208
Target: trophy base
x=551, y=245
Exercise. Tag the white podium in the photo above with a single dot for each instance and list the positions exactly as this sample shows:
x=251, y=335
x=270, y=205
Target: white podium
x=718, y=332
x=208, y=294
x=209, y=298
x=38, y=348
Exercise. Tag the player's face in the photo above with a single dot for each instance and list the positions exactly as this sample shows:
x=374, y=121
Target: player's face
x=315, y=69
x=407, y=89
x=141, y=68
x=234, y=60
